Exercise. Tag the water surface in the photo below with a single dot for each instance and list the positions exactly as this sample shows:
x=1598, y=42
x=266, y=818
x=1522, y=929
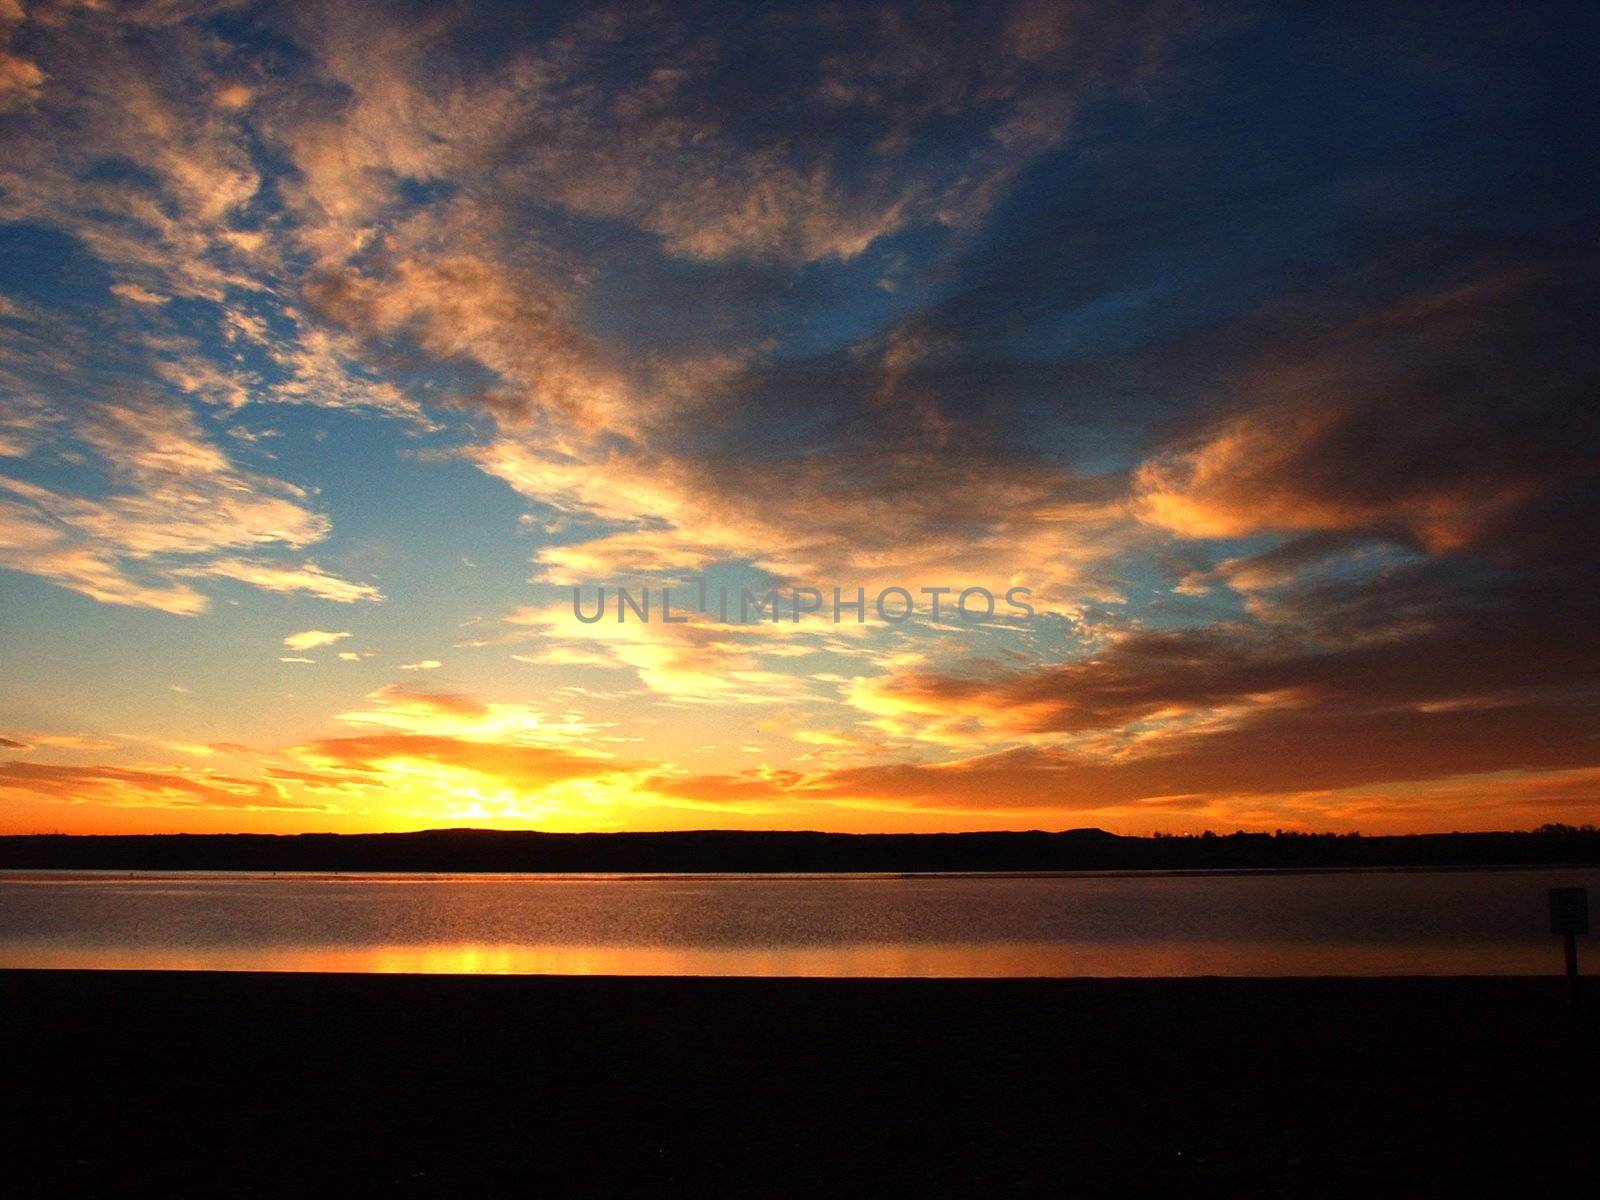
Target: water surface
x=1363, y=923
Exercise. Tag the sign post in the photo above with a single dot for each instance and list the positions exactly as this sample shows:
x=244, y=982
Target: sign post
x=1569, y=916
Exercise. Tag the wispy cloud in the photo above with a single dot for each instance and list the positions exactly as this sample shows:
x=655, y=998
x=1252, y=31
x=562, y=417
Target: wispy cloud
x=174, y=500
x=311, y=639
x=123, y=786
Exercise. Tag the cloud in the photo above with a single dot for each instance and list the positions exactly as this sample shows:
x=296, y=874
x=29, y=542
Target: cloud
x=759, y=790
x=573, y=123
x=700, y=661
x=1277, y=753
x=1032, y=786
x=1414, y=423
x=103, y=80
x=1423, y=682
x=310, y=639
x=20, y=79
x=866, y=519
x=31, y=543
x=1280, y=400
x=407, y=704
x=305, y=577
x=138, y=787
x=137, y=294
x=172, y=499
x=322, y=781
x=164, y=193
x=462, y=306
x=454, y=748
x=440, y=752
x=528, y=768
x=71, y=741
x=395, y=708
x=919, y=121
x=932, y=140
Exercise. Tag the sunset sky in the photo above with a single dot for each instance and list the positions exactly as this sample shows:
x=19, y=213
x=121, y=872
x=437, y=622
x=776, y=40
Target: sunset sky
x=338, y=341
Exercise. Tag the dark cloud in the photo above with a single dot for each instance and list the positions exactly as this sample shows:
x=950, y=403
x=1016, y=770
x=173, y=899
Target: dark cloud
x=1454, y=419
x=1416, y=674
x=1279, y=752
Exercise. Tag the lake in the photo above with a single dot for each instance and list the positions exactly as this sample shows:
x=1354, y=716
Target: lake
x=1350, y=923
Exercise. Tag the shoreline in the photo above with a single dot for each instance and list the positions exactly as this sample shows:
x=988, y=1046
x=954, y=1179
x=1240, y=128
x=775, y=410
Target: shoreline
x=800, y=853
x=201, y=1083
x=425, y=874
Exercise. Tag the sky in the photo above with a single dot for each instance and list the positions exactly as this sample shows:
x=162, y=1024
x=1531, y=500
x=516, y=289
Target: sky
x=341, y=342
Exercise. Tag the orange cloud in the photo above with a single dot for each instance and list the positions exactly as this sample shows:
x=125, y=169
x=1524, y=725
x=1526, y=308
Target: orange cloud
x=519, y=766
x=125, y=786
x=864, y=520
x=20, y=79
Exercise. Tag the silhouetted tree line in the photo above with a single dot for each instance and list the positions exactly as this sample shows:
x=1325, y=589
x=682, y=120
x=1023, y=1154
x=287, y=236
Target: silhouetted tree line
x=740, y=851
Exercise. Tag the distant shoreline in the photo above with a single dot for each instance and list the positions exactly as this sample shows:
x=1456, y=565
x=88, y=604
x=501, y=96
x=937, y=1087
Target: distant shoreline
x=712, y=876
x=734, y=852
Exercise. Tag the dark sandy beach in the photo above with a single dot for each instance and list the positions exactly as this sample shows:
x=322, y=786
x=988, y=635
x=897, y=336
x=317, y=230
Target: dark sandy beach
x=284, y=1085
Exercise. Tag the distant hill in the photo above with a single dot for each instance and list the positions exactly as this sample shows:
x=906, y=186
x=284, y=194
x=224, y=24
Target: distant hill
x=715, y=851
